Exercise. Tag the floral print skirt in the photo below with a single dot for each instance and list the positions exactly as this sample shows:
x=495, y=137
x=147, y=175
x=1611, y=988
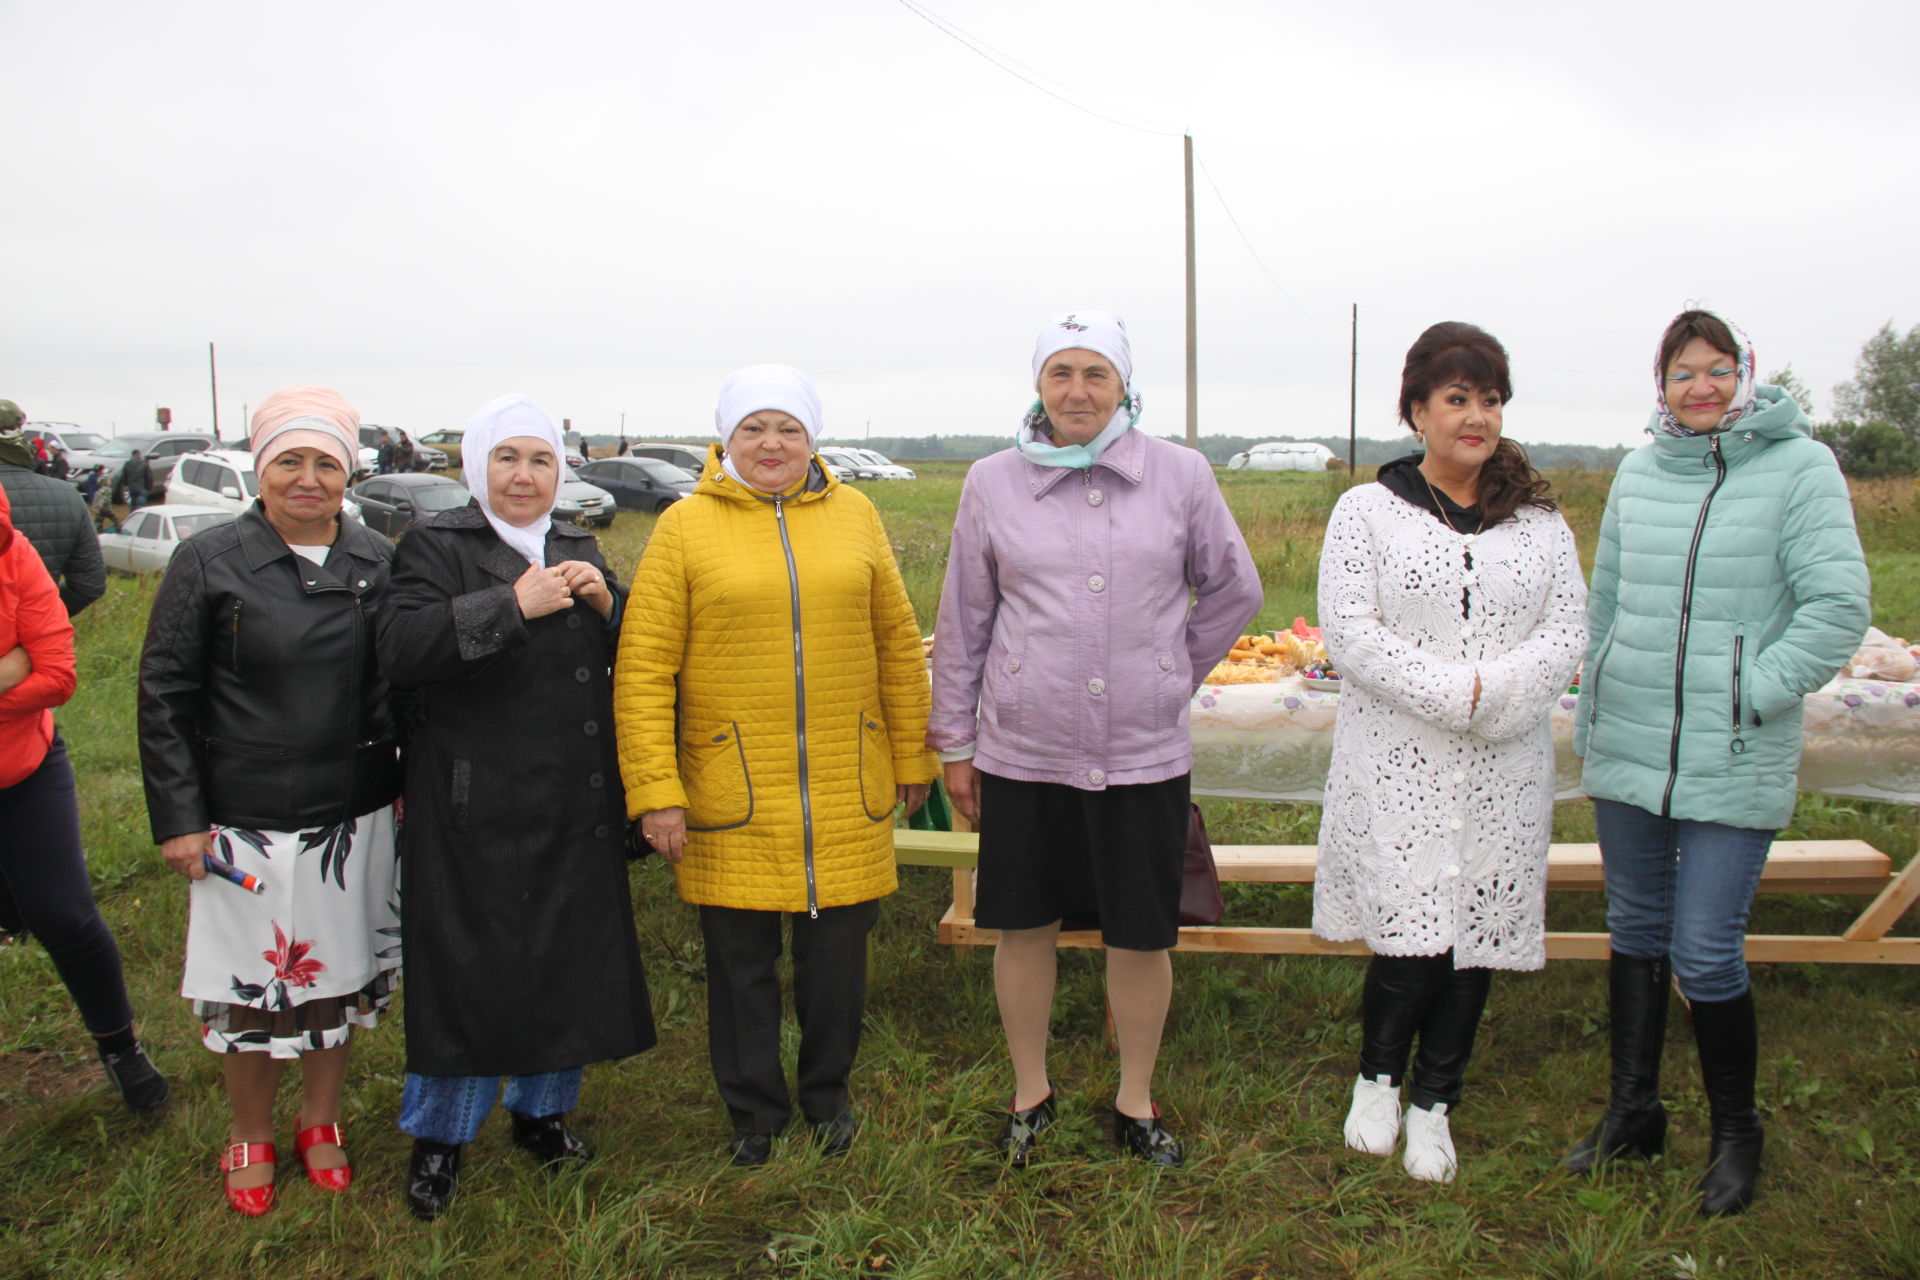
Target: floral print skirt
x=301, y=964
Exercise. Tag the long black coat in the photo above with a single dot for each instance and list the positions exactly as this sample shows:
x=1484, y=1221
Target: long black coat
x=521, y=955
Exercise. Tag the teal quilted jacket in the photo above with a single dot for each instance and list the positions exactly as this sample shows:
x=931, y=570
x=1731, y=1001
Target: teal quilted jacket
x=1728, y=584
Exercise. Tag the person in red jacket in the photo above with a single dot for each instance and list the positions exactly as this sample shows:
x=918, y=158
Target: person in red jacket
x=43, y=875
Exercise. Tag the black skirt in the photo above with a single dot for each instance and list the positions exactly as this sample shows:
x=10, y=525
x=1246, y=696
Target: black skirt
x=1097, y=859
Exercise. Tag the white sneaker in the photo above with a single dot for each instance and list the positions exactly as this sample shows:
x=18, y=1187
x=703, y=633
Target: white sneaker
x=1373, y=1122
x=1429, y=1154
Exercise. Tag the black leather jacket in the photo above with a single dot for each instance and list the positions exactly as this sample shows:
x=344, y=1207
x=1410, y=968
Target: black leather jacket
x=261, y=704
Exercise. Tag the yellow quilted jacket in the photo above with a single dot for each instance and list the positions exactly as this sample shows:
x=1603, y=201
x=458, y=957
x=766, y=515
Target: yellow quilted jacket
x=784, y=748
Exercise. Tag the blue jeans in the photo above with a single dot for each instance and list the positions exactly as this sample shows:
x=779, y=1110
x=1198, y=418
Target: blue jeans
x=450, y=1108
x=1683, y=889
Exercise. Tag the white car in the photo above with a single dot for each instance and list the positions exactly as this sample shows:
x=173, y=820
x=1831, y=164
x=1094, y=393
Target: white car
x=146, y=540
x=1282, y=455
x=847, y=464
x=224, y=479
x=884, y=468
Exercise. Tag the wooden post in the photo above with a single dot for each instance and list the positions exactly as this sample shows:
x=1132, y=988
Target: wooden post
x=1353, y=390
x=1193, y=322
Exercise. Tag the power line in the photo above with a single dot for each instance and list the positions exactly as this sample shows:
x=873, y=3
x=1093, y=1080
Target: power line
x=1258, y=260
x=1015, y=68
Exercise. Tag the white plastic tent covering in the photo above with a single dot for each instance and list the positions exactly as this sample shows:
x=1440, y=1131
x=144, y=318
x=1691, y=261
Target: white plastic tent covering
x=1288, y=456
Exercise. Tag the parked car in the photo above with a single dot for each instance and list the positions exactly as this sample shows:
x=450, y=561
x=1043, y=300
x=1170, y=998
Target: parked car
x=691, y=458
x=846, y=464
x=425, y=456
x=581, y=503
x=884, y=467
x=224, y=479
x=146, y=541
x=389, y=504
x=64, y=437
x=161, y=449
x=640, y=484
x=1282, y=455
x=445, y=442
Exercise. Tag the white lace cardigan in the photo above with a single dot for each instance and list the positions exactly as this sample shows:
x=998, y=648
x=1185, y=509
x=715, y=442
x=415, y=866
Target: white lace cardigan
x=1439, y=812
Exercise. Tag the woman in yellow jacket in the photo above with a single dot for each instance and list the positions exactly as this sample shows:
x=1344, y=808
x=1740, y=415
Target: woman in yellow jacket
x=771, y=702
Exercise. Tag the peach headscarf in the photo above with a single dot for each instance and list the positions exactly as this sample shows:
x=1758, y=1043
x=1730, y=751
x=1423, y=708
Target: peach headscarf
x=306, y=418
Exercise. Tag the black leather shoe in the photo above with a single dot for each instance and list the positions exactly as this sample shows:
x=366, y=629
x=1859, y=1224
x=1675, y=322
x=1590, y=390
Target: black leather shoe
x=750, y=1150
x=433, y=1175
x=1728, y=1038
x=549, y=1140
x=1023, y=1129
x=141, y=1085
x=1147, y=1139
x=835, y=1137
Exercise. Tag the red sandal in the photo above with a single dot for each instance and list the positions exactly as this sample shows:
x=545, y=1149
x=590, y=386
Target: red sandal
x=252, y=1201
x=335, y=1180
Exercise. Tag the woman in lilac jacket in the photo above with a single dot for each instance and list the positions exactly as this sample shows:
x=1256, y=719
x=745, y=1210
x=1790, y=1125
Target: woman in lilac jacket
x=1064, y=660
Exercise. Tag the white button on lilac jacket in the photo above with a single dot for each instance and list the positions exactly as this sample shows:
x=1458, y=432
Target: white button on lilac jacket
x=1066, y=650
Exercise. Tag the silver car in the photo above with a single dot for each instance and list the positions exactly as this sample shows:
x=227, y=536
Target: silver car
x=146, y=540
x=578, y=502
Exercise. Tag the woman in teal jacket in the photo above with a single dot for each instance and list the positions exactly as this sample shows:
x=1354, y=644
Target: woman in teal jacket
x=1728, y=584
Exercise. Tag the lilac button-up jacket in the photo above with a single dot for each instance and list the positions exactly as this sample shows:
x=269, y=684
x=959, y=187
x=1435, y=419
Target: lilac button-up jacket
x=1081, y=611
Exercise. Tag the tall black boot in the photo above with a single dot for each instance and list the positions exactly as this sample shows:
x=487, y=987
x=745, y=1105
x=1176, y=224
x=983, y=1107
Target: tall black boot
x=1635, y=1120
x=1729, y=1042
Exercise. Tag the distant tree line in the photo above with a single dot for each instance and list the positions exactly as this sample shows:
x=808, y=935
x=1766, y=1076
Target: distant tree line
x=1876, y=431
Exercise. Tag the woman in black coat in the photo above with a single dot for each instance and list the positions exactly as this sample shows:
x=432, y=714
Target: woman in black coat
x=521, y=954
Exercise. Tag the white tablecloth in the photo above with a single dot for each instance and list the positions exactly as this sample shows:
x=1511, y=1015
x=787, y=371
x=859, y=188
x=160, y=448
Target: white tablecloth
x=1274, y=741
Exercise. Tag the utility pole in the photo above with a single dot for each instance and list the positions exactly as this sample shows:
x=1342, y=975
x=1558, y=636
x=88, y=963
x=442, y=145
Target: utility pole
x=1193, y=323
x=213, y=383
x=1353, y=390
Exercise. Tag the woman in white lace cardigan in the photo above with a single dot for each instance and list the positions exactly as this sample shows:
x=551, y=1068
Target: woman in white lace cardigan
x=1452, y=605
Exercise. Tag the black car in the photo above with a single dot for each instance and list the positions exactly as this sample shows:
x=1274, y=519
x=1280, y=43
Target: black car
x=388, y=504
x=639, y=484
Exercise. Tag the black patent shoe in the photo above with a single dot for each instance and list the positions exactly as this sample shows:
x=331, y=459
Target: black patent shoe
x=1642, y=1133
x=549, y=1140
x=140, y=1083
x=835, y=1137
x=749, y=1150
x=1147, y=1139
x=1022, y=1131
x=433, y=1175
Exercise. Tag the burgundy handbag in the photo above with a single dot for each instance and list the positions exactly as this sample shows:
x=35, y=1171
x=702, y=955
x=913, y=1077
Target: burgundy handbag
x=1199, y=878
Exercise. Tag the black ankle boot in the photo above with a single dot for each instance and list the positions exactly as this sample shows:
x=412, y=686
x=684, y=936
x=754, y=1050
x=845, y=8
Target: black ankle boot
x=1022, y=1130
x=433, y=1175
x=1635, y=1119
x=141, y=1085
x=1729, y=1042
x=549, y=1140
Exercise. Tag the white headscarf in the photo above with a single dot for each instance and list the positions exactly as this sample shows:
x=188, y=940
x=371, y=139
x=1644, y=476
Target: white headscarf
x=503, y=419
x=765, y=386
x=1103, y=333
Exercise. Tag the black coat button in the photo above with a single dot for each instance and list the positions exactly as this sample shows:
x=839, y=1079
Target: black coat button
x=601, y=832
x=590, y=728
x=595, y=781
x=581, y=674
x=573, y=622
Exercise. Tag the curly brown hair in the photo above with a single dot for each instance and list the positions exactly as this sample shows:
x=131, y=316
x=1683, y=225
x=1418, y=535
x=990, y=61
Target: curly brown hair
x=1455, y=351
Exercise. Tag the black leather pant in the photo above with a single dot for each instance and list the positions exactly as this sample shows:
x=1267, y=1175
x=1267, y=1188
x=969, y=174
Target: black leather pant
x=1424, y=996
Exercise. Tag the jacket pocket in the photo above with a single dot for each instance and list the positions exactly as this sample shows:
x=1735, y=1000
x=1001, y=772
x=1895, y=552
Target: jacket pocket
x=462, y=791
x=877, y=793
x=1592, y=681
x=1000, y=692
x=233, y=636
x=1738, y=703
x=250, y=779
x=713, y=769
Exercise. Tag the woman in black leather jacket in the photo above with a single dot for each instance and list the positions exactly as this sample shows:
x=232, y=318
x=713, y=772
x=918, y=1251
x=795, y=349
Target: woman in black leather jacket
x=268, y=746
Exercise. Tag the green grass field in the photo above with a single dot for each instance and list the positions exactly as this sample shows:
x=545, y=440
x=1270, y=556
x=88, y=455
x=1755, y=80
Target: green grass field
x=1256, y=1073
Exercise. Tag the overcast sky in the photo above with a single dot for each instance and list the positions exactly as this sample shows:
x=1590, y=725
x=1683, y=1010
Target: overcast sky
x=609, y=206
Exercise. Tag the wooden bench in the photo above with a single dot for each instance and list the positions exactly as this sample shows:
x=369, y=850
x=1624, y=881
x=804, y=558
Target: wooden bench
x=1794, y=866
